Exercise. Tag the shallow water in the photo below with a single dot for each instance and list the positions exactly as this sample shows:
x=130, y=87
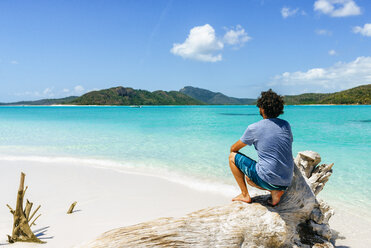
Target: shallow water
x=190, y=144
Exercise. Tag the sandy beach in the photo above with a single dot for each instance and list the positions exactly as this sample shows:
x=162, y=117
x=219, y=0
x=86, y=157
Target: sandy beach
x=109, y=199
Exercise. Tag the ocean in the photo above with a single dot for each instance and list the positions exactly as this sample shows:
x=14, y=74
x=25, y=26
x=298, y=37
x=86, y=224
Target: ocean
x=190, y=144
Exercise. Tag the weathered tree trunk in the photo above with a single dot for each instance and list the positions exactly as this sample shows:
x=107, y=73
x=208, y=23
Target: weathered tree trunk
x=21, y=228
x=299, y=220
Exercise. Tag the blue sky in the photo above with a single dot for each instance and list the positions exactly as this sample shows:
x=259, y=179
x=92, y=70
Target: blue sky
x=52, y=49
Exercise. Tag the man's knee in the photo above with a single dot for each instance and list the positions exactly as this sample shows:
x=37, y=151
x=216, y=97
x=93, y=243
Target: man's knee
x=231, y=156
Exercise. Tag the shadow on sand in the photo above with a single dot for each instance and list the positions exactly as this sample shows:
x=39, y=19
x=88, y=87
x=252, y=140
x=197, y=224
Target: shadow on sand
x=41, y=233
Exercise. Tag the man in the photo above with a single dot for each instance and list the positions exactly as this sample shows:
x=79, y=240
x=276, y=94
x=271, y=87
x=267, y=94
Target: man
x=272, y=139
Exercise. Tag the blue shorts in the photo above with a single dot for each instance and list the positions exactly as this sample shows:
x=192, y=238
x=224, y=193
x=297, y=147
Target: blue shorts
x=248, y=167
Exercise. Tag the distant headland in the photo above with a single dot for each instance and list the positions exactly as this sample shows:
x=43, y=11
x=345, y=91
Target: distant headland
x=196, y=96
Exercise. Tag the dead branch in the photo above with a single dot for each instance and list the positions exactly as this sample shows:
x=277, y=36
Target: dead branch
x=33, y=222
x=24, y=192
x=21, y=229
x=70, y=210
x=34, y=213
x=10, y=208
x=28, y=208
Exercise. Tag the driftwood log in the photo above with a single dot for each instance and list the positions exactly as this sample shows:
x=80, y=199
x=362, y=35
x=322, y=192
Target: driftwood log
x=22, y=218
x=299, y=220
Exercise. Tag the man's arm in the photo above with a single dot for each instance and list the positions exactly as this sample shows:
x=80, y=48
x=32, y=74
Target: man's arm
x=237, y=146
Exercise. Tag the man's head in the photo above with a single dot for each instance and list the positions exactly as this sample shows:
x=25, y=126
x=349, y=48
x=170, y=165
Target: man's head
x=271, y=103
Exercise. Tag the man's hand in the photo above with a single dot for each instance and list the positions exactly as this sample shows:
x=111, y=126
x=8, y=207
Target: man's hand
x=237, y=146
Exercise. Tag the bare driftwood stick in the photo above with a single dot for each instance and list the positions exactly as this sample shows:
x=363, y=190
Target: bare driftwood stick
x=27, y=210
x=21, y=228
x=33, y=222
x=70, y=210
x=299, y=220
x=24, y=192
x=29, y=219
x=10, y=208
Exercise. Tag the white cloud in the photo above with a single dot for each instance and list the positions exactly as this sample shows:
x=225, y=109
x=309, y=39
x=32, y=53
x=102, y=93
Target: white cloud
x=337, y=77
x=286, y=12
x=323, y=32
x=201, y=44
x=337, y=8
x=14, y=62
x=236, y=36
x=79, y=89
x=365, y=30
x=48, y=92
x=28, y=93
x=332, y=52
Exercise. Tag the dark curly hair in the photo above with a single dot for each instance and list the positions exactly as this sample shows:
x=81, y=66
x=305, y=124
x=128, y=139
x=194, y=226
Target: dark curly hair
x=271, y=102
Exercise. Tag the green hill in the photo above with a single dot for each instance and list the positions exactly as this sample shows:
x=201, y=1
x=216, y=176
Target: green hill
x=217, y=98
x=129, y=96
x=357, y=95
x=197, y=96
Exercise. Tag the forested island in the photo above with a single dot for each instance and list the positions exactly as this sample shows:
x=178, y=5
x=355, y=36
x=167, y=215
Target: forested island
x=196, y=96
x=129, y=96
x=214, y=98
x=357, y=95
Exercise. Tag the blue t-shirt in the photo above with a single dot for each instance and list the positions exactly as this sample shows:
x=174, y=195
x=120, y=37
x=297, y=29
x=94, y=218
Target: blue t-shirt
x=272, y=139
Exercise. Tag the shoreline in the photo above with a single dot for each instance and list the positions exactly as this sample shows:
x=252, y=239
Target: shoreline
x=203, y=105
x=200, y=184
x=106, y=200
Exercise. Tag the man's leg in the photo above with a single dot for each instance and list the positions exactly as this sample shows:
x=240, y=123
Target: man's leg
x=252, y=184
x=276, y=196
x=240, y=178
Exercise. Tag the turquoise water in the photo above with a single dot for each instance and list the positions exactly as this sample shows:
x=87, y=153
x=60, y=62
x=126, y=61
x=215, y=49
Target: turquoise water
x=192, y=142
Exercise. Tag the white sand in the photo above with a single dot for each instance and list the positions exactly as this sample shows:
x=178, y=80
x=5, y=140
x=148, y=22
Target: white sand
x=109, y=199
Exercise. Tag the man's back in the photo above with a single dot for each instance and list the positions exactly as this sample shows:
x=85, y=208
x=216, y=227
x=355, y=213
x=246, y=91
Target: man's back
x=272, y=139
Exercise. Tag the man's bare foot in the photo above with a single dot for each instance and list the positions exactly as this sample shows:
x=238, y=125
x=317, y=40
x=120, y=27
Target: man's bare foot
x=276, y=197
x=242, y=198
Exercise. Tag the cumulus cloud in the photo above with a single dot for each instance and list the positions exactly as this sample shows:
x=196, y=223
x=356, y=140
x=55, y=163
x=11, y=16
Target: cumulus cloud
x=79, y=89
x=365, y=30
x=28, y=93
x=236, y=36
x=323, y=32
x=337, y=8
x=337, y=77
x=332, y=52
x=202, y=43
x=48, y=92
x=286, y=12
